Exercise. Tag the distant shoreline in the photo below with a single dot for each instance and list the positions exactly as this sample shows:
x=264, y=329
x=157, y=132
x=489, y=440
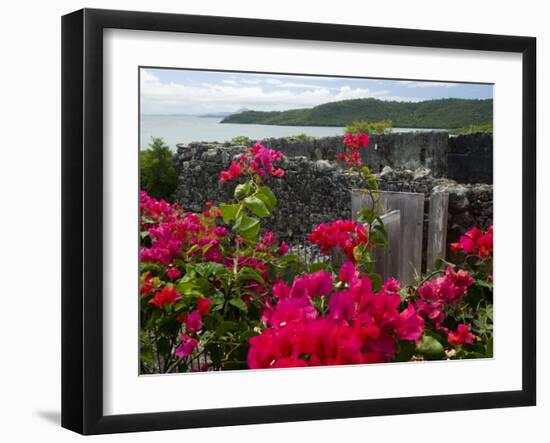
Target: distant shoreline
x=432, y=114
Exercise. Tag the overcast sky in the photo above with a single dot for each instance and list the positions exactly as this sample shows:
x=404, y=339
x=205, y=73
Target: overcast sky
x=179, y=91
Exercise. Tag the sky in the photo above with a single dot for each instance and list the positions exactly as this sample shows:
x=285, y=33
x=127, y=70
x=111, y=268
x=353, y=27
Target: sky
x=180, y=91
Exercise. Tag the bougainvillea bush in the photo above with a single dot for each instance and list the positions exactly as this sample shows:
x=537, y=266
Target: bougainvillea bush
x=218, y=292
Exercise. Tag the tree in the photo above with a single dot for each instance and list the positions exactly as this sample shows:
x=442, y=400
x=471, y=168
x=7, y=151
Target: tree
x=157, y=172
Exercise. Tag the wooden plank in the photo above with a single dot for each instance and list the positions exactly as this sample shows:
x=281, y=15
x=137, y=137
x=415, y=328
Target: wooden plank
x=386, y=262
x=437, y=228
x=411, y=207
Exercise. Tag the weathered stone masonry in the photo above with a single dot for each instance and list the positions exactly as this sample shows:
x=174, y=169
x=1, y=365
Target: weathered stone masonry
x=315, y=188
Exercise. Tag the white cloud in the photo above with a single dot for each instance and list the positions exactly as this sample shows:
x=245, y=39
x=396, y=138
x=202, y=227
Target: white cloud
x=229, y=95
x=282, y=84
x=250, y=82
x=147, y=76
x=414, y=84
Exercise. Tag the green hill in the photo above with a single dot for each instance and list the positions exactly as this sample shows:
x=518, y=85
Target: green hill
x=437, y=114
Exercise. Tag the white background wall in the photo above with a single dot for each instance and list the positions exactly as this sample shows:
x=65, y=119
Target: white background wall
x=30, y=218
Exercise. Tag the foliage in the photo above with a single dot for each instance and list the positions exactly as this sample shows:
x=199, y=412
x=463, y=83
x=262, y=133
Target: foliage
x=158, y=175
x=240, y=140
x=203, y=286
x=366, y=127
x=436, y=114
x=300, y=137
x=485, y=127
x=219, y=292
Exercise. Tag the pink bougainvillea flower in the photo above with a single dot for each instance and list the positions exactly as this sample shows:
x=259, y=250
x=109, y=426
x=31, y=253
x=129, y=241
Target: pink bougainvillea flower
x=173, y=273
x=283, y=248
x=410, y=325
x=352, y=143
x=319, y=283
x=186, y=347
x=235, y=170
x=258, y=160
x=485, y=244
x=356, y=141
x=281, y=290
x=342, y=306
x=429, y=290
x=343, y=234
x=360, y=327
x=391, y=285
x=147, y=286
x=461, y=279
x=431, y=311
x=166, y=296
x=462, y=335
x=220, y=231
x=348, y=272
x=263, y=161
x=288, y=310
x=269, y=238
x=448, y=288
x=194, y=321
x=475, y=242
x=203, y=305
x=300, y=288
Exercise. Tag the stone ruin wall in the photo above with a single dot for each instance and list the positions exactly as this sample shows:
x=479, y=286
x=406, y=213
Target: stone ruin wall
x=316, y=188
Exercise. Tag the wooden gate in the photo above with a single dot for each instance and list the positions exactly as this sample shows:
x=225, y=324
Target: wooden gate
x=403, y=217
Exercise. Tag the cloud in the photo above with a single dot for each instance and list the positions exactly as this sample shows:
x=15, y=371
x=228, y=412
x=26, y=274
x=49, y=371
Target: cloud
x=229, y=95
x=147, y=76
x=250, y=82
x=415, y=84
x=282, y=84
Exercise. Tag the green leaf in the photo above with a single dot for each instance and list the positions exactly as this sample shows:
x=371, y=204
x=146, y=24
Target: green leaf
x=168, y=326
x=366, y=215
x=404, y=293
x=146, y=355
x=379, y=228
x=163, y=345
x=246, y=274
x=239, y=304
x=211, y=268
x=226, y=326
x=406, y=350
x=217, y=303
x=268, y=197
x=256, y=206
x=431, y=348
x=489, y=312
x=376, y=280
x=314, y=267
x=245, y=335
x=188, y=288
x=243, y=190
x=229, y=212
x=485, y=284
x=247, y=227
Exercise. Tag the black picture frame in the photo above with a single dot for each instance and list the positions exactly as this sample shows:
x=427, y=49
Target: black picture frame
x=82, y=218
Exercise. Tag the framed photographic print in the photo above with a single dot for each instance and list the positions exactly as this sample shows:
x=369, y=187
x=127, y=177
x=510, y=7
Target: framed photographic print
x=269, y=221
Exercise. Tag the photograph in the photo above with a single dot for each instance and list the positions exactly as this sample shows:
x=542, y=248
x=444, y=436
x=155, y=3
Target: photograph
x=291, y=220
